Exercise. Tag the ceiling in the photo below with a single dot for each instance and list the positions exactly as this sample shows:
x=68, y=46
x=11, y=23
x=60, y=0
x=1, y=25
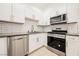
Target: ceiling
x=42, y=6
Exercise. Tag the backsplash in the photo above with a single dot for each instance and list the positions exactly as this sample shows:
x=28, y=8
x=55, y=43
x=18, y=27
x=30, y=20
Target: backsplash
x=10, y=27
x=53, y=27
x=17, y=28
x=31, y=25
x=62, y=26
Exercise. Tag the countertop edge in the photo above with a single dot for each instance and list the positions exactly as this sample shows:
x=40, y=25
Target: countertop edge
x=19, y=34
x=72, y=34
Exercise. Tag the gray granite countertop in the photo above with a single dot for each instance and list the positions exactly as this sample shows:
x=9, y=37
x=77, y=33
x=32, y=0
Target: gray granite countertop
x=73, y=34
x=17, y=34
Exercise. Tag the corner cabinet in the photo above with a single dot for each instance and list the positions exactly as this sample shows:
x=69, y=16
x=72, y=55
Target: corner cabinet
x=18, y=13
x=72, y=45
x=36, y=41
x=5, y=11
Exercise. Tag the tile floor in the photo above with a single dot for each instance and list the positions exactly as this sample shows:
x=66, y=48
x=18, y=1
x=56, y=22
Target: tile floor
x=43, y=52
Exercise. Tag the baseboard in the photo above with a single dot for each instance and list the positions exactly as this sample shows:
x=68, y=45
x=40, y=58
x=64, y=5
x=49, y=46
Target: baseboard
x=36, y=50
x=59, y=53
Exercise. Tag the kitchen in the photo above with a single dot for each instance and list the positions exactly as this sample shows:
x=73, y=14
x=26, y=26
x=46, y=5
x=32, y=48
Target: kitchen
x=28, y=29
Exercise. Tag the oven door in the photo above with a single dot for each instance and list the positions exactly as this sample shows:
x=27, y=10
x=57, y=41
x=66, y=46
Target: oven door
x=57, y=43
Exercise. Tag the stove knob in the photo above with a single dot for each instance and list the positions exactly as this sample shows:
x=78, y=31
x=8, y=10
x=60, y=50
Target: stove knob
x=59, y=45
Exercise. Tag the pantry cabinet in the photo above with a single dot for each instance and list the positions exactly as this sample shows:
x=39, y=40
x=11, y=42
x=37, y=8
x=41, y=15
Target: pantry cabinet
x=3, y=46
x=72, y=48
x=5, y=11
x=36, y=41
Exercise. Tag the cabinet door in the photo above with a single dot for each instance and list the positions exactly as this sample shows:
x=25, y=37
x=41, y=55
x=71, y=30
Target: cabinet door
x=3, y=46
x=72, y=48
x=36, y=41
x=28, y=12
x=43, y=39
x=73, y=28
x=62, y=9
x=72, y=12
x=33, y=42
x=26, y=42
x=18, y=13
x=17, y=46
x=5, y=11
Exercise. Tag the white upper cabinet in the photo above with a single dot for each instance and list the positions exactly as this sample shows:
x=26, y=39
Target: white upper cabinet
x=58, y=10
x=18, y=13
x=12, y=12
x=5, y=11
x=72, y=12
x=61, y=9
x=53, y=12
x=28, y=12
x=32, y=12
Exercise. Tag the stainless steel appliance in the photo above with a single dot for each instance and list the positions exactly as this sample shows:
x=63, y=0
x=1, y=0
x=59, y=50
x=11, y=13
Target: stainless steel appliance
x=18, y=45
x=58, y=19
x=57, y=40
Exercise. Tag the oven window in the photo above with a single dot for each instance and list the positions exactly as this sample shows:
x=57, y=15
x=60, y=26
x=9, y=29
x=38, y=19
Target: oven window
x=57, y=43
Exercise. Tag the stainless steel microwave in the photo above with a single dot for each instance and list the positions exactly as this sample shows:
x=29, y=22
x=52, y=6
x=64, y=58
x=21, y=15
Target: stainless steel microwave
x=58, y=19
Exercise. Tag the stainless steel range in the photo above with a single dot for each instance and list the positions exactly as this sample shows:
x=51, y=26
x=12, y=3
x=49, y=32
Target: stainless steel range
x=57, y=41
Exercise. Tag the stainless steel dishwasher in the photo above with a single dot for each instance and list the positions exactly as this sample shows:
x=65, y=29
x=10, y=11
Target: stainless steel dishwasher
x=18, y=45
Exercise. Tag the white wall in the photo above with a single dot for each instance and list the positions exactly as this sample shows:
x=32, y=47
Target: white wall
x=19, y=28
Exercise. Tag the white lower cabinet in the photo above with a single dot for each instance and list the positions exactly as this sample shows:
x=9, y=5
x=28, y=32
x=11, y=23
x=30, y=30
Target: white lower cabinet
x=72, y=45
x=36, y=41
x=3, y=46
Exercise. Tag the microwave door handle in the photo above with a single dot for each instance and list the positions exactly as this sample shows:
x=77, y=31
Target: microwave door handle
x=61, y=18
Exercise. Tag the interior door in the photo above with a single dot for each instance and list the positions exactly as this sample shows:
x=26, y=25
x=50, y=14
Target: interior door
x=72, y=48
x=18, y=47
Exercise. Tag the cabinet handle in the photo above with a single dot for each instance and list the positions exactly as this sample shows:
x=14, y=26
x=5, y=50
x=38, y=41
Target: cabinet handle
x=67, y=44
x=37, y=39
x=73, y=38
x=19, y=38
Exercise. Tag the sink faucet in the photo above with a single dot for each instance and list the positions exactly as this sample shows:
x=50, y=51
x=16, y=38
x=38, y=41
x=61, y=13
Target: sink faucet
x=32, y=29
